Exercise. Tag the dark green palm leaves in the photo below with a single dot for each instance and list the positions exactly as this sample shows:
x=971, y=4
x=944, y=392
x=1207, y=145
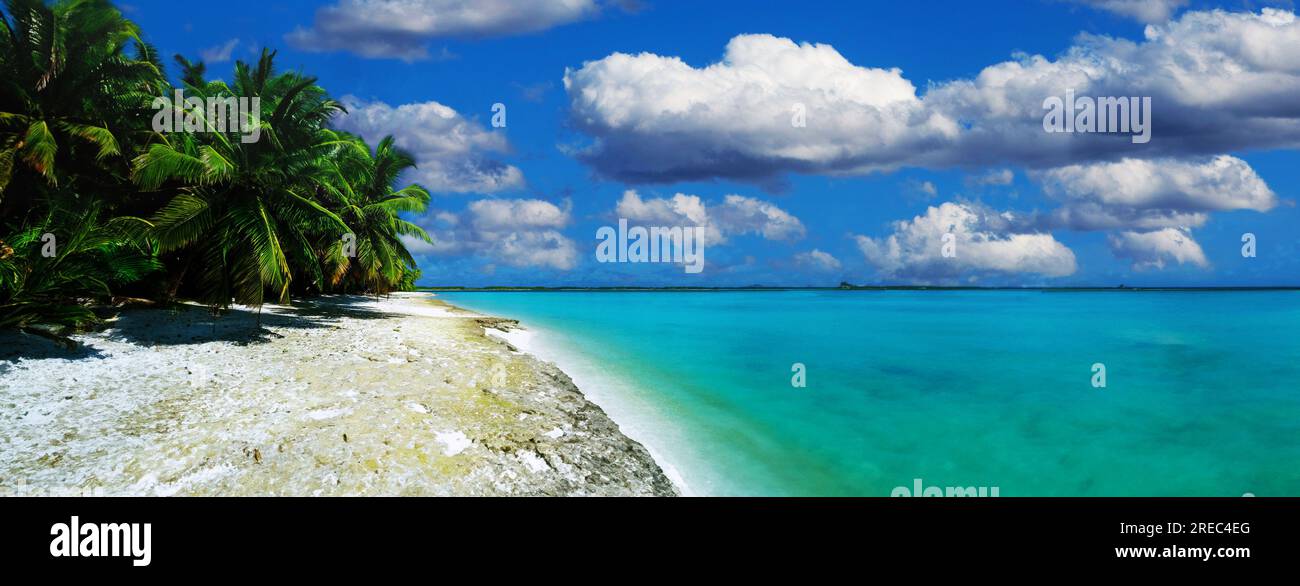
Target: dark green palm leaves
x=70, y=94
x=204, y=212
x=371, y=207
x=263, y=218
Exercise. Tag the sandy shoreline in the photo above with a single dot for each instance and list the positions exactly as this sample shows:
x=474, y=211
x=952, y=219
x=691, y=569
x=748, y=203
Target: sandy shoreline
x=609, y=391
x=339, y=396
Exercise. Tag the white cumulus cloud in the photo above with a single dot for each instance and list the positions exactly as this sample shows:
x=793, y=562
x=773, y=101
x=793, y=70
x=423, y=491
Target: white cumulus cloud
x=514, y=232
x=1219, y=183
x=660, y=119
x=735, y=215
x=1219, y=81
x=453, y=153
x=1153, y=250
x=1152, y=194
x=984, y=242
x=510, y=214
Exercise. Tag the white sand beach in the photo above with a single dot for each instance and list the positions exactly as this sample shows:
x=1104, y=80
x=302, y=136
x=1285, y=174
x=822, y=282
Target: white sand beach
x=335, y=396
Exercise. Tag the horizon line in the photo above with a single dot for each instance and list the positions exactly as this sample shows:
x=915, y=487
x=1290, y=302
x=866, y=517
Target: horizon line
x=847, y=287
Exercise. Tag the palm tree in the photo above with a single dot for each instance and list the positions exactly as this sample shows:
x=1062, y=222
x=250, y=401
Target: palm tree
x=45, y=294
x=75, y=80
x=362, y=185
x=192, y=72
x=71, y=99
x=230, y=221
x=246, y=213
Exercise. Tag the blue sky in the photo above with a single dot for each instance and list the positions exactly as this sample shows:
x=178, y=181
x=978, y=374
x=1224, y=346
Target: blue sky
x=865, y=190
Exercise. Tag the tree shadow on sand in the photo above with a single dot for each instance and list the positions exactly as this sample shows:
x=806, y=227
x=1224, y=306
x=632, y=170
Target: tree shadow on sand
x=193, y=324
x=337, y=306
x=18, y=345
x=197, y=325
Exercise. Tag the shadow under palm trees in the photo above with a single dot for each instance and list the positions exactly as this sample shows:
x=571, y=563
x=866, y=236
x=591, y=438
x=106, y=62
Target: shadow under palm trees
x=193, y=324
x=336, y=306
x=15, y=345
x=196, y=325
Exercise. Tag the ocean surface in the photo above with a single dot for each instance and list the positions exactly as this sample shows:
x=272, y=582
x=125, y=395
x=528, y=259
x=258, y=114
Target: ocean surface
x=957, y=389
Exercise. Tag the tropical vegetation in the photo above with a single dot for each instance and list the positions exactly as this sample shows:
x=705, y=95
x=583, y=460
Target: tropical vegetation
x=96, y=206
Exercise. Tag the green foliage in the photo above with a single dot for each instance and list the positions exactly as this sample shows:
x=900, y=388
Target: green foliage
x=50, y=271
x=201, y=215
x=76, y=76
x=370, y=207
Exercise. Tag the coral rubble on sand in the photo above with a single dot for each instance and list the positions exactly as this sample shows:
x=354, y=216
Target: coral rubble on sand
x=343, y=396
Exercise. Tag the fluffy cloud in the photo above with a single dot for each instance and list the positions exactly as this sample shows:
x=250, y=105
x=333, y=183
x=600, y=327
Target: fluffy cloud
x=515, y=232
x=402, y=29
x=1152, y=204
x=1219, y=183
x=1148, y=194
x=545, y=248
x=985, y=242
x=746, y=215
x=1148, y=11
x=490, y=215
x=735, y=215
x=453, y=154
x=818, y=260
x=658, y=119
x=1150, y=250
x=679, y=210
x=1219, y=82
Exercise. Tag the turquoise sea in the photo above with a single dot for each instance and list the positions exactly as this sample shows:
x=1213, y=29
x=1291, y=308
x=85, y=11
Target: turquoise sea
x=956, y=388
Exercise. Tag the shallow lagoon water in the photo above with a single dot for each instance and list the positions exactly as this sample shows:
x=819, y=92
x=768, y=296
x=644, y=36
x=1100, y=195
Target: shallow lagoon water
x=956, y=388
